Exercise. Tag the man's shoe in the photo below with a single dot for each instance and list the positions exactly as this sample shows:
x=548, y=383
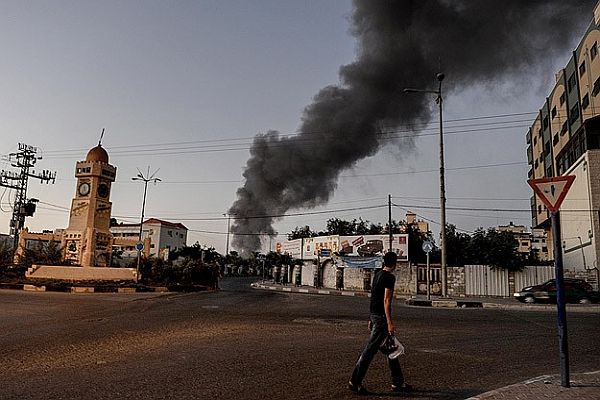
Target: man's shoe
x=358, y=389
x=405, y=387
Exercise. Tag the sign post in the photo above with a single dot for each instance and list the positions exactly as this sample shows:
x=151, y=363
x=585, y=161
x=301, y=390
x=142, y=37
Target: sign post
x=552, y=192
x=427, y=247
x=139, y=246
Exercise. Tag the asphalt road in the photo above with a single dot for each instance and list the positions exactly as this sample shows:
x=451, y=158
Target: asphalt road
x=242, y=343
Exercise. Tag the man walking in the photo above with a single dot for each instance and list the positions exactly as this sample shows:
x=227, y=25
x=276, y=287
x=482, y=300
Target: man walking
x=380, y=324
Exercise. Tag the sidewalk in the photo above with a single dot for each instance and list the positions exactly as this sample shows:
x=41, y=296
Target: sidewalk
x=421, y=301
x=585, y=386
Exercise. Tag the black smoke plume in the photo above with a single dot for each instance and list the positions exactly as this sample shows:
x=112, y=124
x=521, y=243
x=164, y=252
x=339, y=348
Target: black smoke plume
x=399, y=45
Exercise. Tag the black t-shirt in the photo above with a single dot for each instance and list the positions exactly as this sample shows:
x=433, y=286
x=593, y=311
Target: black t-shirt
x=382, y=280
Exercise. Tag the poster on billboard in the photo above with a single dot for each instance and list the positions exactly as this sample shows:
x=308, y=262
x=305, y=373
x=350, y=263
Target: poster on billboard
x=374, y=245
x=292, y=248
x=312, y=245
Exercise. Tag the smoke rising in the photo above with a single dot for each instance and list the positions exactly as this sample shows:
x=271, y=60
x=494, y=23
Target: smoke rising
x=399, y=44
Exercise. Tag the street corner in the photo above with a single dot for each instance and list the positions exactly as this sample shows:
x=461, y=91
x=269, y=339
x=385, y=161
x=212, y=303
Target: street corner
x=583, y=386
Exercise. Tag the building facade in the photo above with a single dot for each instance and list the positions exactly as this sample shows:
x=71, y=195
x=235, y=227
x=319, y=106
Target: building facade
x=521, y=234
x=564, y=139
x=162, y=236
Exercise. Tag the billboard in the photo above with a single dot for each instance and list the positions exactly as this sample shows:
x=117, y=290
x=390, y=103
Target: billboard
x=312, y=245
x=374, y=245
x=290, y=247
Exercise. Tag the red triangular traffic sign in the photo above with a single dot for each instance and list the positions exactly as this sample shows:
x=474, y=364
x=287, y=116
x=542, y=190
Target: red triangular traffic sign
x=552, y=191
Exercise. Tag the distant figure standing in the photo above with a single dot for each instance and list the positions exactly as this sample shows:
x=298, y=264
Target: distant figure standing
x=380, y=324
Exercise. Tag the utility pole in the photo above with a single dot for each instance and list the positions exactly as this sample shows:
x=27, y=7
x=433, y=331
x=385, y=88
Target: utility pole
x=24, y=159
x=438, y=101
x=228, y=228
x=391, y=236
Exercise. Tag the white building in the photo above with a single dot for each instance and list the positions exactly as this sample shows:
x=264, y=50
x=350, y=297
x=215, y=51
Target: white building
x=164, y=236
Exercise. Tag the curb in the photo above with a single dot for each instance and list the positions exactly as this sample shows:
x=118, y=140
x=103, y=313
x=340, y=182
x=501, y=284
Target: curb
x=438, y=303
x=103, y=289
x=551, y=383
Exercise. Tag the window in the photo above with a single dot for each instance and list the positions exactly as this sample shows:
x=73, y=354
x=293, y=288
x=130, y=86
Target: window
x=539, y=209
x=170, y=233
x=545, y=122
x=585, y=102
x=555, y=140
x=536, y=163
x=594, y=50
x=582, y=69
x=564, y=128
x=596, y=88
x=574, y=115
x=572, y=82
x=553, y=112
x=535, y=140
x=563, y=98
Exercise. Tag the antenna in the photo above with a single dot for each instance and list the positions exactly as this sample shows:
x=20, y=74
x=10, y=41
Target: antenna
x=101, y=136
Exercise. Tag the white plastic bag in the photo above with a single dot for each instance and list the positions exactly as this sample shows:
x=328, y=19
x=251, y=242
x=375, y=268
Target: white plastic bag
x=399, y=351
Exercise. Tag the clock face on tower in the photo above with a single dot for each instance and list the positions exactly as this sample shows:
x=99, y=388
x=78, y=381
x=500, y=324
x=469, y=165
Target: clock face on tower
x=84, y=189
x=103, y=190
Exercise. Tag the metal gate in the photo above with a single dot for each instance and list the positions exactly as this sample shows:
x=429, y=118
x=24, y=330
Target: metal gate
x=533, y=276
x=435, y=280
x=482, y=280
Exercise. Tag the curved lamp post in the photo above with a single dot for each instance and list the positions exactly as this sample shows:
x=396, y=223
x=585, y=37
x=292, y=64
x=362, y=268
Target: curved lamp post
x=144, y=178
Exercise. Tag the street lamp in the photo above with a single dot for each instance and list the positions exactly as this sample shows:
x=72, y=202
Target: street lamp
x=147, y=178
x=438, y=100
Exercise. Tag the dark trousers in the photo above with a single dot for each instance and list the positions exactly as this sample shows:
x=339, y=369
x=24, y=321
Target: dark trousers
x=378, y=333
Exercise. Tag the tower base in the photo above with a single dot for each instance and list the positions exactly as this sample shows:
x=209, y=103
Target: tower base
x=81, y=273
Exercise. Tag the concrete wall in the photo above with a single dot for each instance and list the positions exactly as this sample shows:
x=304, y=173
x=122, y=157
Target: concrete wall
x=462, y=281
x=354, y=278
x=406, y=279
x=308, y=274
x=577, y=218
x=329, y=271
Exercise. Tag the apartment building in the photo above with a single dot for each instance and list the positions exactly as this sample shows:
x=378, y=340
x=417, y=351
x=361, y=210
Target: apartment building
x=521, y=234
x=564, y=139
x=164, y=236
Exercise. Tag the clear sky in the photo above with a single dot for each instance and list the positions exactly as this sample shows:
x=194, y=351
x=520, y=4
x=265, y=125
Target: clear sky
x=184, y=86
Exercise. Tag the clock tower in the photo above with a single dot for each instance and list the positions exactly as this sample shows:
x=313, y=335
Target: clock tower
x=88, y=241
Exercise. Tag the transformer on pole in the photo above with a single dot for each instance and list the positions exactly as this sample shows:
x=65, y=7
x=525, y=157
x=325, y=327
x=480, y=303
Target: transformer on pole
x=25, y=160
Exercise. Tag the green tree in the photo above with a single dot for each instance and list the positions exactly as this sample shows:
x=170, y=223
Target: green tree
x=458, y=245
x=375, y=229
x=336, y=226
x=6, y=254
x=301, y=232
x=495, y=248
x=46, y=253
x=415, y=243
x=361, y=227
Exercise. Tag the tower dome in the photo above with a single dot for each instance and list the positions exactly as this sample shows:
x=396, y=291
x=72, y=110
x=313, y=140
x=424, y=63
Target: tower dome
x=97, y=154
